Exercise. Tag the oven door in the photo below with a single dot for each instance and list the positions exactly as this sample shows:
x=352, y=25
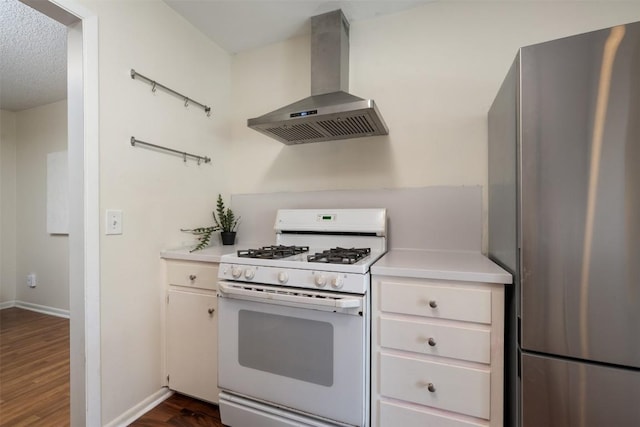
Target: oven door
x=301, y=350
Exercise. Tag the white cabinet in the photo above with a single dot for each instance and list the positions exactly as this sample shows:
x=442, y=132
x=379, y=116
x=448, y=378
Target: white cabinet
x=192, y=329
x=437, y=352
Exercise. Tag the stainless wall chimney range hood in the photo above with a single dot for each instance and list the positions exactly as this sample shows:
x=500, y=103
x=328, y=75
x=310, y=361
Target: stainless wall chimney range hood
x=330, y=113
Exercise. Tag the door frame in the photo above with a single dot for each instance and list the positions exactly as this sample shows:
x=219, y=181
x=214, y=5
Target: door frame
x=84, y=205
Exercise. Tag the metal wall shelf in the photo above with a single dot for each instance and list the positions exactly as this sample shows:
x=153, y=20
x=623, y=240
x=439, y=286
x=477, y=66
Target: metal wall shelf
x=154, y=85
x=182, y=154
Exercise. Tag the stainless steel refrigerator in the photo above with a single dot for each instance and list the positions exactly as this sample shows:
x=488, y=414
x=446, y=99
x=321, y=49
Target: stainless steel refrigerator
x=564, y=218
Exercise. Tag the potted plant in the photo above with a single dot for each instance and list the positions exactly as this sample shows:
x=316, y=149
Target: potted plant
x=225, y=222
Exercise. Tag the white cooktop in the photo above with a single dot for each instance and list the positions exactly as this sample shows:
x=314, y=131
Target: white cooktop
x=300, y=262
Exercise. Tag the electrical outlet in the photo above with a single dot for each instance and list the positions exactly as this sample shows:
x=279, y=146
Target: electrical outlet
x=31, y=280
x=113, y=222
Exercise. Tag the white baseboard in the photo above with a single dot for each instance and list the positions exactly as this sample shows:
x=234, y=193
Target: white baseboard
x=141, y=408
x=52, y=311
x=7, y=304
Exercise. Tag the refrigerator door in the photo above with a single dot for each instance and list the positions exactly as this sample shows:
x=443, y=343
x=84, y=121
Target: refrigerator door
x=503, y=134
x=580, y=196
x=503, y=230
x=560, y=393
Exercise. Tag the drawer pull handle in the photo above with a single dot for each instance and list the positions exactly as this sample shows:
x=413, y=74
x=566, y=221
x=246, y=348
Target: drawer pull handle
x=433, y=303
x=192, y=277
x=430, y=386
x=431, y=342
x=211, y=310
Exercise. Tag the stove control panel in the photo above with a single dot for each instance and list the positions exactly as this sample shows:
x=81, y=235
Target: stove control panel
x=309, y=279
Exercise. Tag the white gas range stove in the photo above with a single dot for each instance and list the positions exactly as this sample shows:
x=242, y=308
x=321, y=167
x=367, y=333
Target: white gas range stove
x=294, y=321
x=316, y=249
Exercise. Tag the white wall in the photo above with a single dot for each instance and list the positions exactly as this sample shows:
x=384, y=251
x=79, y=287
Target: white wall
x=433, y=71
x=7, y=207
x=158, y=193
x=40, y=130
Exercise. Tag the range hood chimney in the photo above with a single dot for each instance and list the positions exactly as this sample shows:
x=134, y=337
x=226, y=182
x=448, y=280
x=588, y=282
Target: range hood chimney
x=330, y=113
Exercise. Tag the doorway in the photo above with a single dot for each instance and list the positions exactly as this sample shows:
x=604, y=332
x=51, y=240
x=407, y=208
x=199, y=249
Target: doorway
x=83, y=164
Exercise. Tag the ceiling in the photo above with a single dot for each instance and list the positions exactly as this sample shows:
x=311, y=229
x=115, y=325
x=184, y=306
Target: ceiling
x=239, y=25
x=33, y=57
x=33, y=46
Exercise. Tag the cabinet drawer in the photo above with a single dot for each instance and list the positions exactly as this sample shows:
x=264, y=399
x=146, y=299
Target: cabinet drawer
x=437, y=340
x=470, y=305
x=458, y=389
x=396, y=415
x=193, y=274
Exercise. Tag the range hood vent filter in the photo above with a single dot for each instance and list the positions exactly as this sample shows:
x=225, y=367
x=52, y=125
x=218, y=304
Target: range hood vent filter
x=327, y=129
x=330, y=113
x=295, y=132
x=347, y=127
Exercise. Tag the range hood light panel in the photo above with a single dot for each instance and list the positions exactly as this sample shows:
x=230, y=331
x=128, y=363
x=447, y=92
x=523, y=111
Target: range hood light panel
x=303, y=113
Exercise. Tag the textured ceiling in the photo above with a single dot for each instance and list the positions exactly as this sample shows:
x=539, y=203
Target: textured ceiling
x=33, y=57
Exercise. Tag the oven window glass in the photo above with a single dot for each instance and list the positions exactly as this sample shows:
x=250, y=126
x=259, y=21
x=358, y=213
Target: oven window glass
x=289, y=346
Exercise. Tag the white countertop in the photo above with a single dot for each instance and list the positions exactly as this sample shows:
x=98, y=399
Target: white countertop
x=208, y=254
x=444, y=265
x=416, y=263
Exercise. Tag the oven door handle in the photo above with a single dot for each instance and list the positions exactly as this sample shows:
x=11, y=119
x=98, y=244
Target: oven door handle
x=267, y=293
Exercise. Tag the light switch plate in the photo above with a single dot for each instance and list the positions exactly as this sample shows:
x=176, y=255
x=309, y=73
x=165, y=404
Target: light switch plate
x=113, y=222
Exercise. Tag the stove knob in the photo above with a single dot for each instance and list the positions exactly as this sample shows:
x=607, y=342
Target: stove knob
x=236, y=272
x=337, y=282
x=321, y=281
x=249, y=273
x=283, y=277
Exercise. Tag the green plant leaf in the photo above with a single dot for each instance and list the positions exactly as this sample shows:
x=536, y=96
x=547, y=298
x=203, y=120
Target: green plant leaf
x=204, y=236
x=224, y=220
x=223, y=217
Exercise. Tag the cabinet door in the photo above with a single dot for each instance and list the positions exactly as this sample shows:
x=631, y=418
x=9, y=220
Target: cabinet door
x=192, y=340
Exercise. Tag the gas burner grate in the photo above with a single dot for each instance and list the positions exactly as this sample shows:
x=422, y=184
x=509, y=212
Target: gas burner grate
x=339, y=255
x=273, y=252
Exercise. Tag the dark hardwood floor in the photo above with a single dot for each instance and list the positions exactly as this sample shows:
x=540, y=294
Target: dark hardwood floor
x=34, y=378
x=34, y=369
x=181, y=411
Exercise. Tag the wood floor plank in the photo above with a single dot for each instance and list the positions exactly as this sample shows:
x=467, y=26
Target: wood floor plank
x=181, y=411
x=34, y=369
x=34, y=378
